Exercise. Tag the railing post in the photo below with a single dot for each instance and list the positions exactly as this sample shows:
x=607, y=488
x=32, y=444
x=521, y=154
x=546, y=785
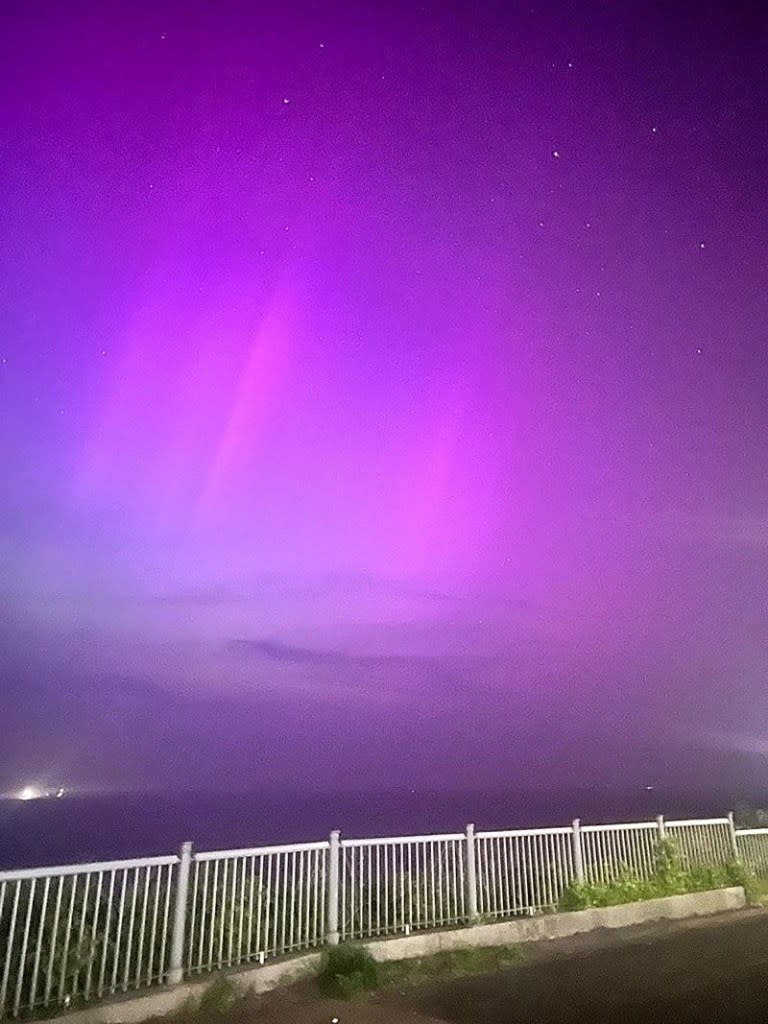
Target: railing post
x=176, y=959
x=471, y=875
x=578, y=855
x=734, y=837
x=332, y=912
x=661, y=827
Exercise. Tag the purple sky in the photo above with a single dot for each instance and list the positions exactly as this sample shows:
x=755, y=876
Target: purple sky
x=383, y=393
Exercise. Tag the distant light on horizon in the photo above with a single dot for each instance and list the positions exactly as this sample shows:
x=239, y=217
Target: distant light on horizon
x=30, y=793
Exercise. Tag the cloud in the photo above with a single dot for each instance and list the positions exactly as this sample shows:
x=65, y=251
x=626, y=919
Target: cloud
x=274, y=651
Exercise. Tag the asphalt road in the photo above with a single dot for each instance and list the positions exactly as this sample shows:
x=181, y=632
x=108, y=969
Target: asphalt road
x=708, y=971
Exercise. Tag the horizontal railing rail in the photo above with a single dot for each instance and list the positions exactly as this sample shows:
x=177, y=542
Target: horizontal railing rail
x=79, y=932
x=18, y=874
x=259, y=851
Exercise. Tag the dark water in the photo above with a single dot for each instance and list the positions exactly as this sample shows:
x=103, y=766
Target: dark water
x=76, y=829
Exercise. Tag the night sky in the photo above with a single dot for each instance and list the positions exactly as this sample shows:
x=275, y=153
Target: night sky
x=383, y=394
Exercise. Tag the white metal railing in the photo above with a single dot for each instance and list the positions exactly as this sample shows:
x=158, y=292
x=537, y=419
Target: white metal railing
x=702, y=842
x=76, y=933
x=522, y=871
x=72, y=934
x=611, y=850
x=401, y=884
x=753, y=849
x=246, y=905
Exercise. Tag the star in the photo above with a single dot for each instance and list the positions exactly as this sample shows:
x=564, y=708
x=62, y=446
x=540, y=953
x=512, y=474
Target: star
x=701, y=245
x=556, y=153
x=654, y=130
x=286, y=100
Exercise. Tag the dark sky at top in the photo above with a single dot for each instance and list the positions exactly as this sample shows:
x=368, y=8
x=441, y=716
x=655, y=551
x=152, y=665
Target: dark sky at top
x=383, y=394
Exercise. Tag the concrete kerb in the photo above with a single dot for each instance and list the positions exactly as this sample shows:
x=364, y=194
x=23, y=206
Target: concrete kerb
x=502, y=933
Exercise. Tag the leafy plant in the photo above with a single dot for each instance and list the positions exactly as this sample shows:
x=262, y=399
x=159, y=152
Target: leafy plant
x=671, y=878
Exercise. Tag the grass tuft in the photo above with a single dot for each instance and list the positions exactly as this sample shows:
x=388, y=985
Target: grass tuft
x=347, y=970
x=454, y=963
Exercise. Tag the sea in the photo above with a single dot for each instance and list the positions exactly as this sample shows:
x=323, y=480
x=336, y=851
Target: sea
x=79, y=828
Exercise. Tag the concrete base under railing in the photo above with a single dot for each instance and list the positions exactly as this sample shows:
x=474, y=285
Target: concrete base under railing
x=503, y=933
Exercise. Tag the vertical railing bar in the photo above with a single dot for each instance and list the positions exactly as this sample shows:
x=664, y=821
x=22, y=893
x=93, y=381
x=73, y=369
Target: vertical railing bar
x=163, y=970
x=39, y=944
x=519, y=875
x=384, y=895
x=536, y=872
x=94, y=936
x=67, y=934
x=438, y=894
x=203, y=919
x=368, y=888
x=401, y=854
x=214, y=907
x=24, y=942
x=9, y=946
x=410, y=885
x=151, y=976
x=431, y=902
x=225, y=900
x=251, y=886
x=107, y=929
x=52, y=951
x=283, y=929
x=276, y=908
x=553, y=858
x=499, y=877
x=241, y=913
x=509, y=864
x=260, y=906
x=81, y=935
x=307, y=872
x=541, y=861
x=131, y=922
x=316, y=897
x=455, y=908
x=292, y=913
x=192, y=936
x=232, y=897
x=142, y=928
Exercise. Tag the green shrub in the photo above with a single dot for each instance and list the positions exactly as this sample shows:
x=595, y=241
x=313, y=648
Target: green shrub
x=739, y=873
x=219, y=996
x=347, y=970
x=671, y=878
